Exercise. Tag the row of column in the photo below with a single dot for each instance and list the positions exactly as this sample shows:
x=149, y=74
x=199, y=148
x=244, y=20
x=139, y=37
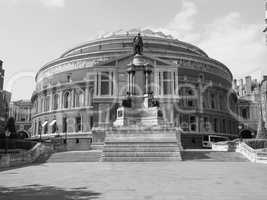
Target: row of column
x=132, y=84
x=88, y=99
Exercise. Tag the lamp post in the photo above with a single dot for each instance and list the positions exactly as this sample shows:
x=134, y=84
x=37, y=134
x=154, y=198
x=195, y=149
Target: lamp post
x=7, y=134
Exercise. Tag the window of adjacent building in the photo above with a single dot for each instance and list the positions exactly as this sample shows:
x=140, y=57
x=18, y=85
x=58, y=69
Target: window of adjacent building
x=193, y=123
x=187, y=95
x=64, y=125
x=167, y=83
x=46, y=103
x=188, y=123
x=244, y=113
x=78, y=124
x=104, y=83
x=39, y=128
x=55, y=102
x=184, y=122
x=66, y=100
x=46, y=128
x=79, y=98
x=104, y=89
x=42, y=105
x=190, y=103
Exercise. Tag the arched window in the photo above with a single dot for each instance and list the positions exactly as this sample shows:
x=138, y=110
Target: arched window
x=55, y=102
x=54, y=127
x=64, y=125
x=167, y=83
x=79, y=98
x=45, y=126
x=46, y=103
x=188, y=98
x=42, y=104
x=66, y=99
x=213, y=101
x=78, y=121
x=39, y=128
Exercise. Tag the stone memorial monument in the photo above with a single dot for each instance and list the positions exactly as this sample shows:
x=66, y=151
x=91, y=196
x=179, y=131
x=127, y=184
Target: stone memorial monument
x=139, y=132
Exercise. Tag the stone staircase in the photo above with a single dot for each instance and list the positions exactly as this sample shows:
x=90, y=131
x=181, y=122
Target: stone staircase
x=136, y=145
x=76, y=156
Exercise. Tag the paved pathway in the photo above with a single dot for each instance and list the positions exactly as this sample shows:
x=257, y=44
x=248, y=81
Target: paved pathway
x=137, y=181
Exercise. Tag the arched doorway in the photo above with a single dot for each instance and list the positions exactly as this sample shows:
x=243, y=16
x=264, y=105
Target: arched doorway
x=246, y=134
x=22, y=134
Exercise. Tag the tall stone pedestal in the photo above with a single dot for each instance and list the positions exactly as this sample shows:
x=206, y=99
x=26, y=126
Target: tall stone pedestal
x=142, y=145
x=138, y=133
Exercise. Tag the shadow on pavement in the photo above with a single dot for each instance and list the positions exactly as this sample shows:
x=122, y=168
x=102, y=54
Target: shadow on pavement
x=195, y=155
x=39, y=192
x=215, y=156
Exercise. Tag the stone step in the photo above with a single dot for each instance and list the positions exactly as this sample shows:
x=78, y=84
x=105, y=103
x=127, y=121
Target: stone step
x=141, y=154
x=141, y=159
x=143, y=143
x=262, y=157
x=262, y=154
x=140, y=140
x=76, y=156
x=138, y=145
x=143, y=135
x=142, y=149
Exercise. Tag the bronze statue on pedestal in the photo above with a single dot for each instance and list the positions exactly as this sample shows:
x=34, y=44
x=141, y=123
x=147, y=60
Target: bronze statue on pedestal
x=138, y=44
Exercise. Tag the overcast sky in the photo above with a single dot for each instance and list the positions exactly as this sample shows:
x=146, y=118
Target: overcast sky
x=32, y=32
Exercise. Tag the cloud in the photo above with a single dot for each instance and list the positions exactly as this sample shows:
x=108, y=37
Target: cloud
x=228, y=39
x=237, y=44
x=47, y=3
x=53, y=3
x=183, y=23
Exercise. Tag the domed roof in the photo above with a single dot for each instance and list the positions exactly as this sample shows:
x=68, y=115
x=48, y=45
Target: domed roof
x=112, y=46
x=144, y=32
x=122, y=41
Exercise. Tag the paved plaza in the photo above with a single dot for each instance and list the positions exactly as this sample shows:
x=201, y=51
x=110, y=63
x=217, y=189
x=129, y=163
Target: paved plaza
x=160, y=180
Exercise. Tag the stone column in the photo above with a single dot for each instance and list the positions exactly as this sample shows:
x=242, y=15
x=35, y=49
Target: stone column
x=86, y=103
x=129, y=82
x=72, y=100
x=133, y=83
x=90, y=96
x=51, y=101
x=146, y=81
x=60, y=99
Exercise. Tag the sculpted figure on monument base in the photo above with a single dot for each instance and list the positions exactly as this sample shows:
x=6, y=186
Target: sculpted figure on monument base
x=138, y=44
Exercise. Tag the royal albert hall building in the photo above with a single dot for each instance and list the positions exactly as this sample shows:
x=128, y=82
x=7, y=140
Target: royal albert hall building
x=77, y=95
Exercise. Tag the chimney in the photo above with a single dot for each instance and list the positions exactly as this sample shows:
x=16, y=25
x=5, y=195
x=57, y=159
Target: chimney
x=248, y=84
x=2, y=73
x=241, y=85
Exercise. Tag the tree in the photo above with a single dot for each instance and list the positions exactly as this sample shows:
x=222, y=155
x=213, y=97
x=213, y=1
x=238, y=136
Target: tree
x=10, y=127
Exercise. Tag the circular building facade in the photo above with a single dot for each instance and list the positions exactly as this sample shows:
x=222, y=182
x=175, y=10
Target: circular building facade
x=77, y=95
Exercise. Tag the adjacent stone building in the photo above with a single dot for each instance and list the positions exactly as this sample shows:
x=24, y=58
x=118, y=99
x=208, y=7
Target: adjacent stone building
x=252, y=104
x=77, y=95
x=5, y=98
x=22, y=112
